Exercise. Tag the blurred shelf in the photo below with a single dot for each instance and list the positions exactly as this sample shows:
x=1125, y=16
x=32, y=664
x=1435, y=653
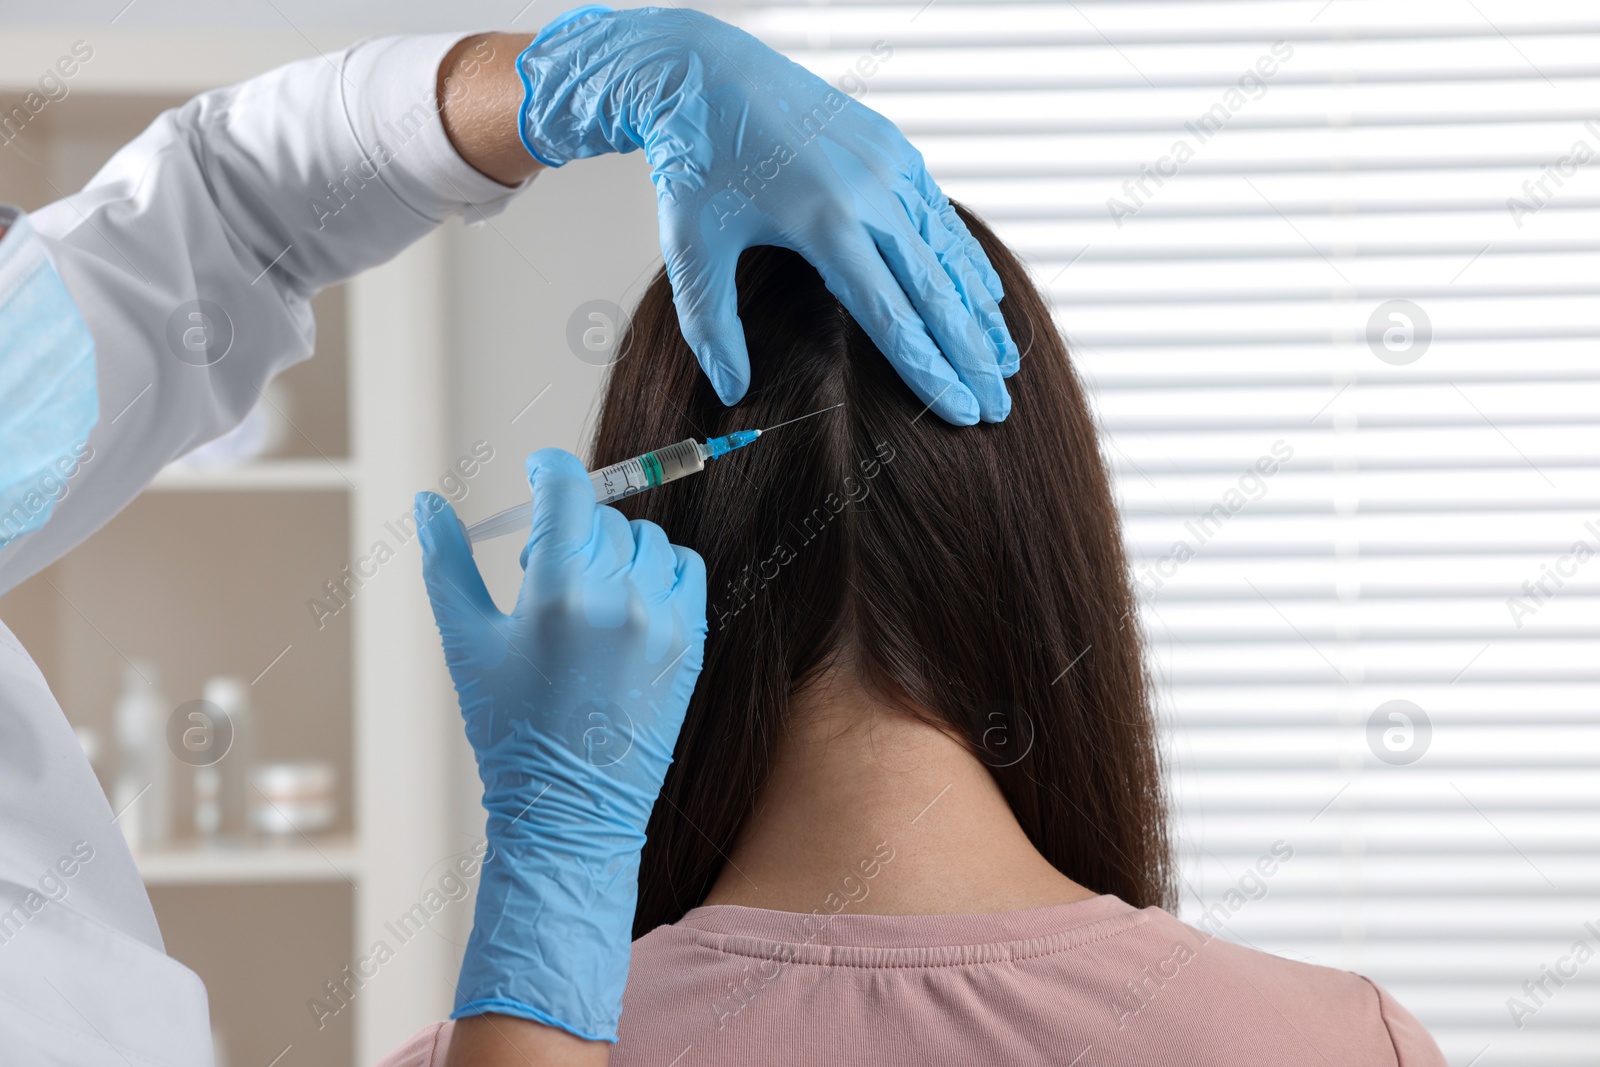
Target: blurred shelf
x=270, y=474
x=330, y=860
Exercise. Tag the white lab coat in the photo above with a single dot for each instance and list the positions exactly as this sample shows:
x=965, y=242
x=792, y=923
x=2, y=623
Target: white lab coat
x=228, y=200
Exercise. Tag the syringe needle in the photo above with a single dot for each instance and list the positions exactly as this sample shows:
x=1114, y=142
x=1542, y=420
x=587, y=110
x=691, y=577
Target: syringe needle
x=787, y=422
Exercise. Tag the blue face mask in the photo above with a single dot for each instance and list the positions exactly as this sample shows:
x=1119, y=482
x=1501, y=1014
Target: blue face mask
x=48, y=399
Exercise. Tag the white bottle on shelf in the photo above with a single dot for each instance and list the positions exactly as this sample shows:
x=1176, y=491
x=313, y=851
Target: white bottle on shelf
x=232, y=695
x=207, y=803
x=142, y=796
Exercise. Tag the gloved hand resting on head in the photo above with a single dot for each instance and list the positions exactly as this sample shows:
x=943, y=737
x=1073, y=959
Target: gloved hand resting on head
x=747, y=148
x=572, y=704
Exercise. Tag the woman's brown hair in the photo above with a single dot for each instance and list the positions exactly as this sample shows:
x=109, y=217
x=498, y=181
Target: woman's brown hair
x=972, y=575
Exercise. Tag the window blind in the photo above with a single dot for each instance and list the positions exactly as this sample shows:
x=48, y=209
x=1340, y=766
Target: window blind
x=1330, y=271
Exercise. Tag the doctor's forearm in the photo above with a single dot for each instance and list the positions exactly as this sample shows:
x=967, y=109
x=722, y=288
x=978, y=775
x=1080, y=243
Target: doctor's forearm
x=480, y=103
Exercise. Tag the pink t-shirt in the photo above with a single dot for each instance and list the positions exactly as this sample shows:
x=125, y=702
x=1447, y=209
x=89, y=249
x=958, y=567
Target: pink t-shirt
x=1097, y=983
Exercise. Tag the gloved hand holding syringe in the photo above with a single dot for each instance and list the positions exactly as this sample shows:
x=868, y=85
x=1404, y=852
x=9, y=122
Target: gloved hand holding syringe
x=656, y=467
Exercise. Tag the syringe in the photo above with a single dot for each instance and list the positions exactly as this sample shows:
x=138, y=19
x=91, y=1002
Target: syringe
x=642, y=472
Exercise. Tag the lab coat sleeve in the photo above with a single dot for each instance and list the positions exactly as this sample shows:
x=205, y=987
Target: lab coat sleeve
x=83, y=978
x=78, y=993
x=239, y=206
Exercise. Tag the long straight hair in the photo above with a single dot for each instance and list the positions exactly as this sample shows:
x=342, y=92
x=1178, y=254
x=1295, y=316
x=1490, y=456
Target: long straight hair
x=971, y=575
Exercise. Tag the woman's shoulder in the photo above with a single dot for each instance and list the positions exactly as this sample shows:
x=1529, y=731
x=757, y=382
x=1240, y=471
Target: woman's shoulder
x=1182, y=971
x=1136, y=984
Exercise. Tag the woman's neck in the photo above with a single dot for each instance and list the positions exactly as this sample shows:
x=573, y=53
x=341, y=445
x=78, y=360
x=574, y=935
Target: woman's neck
x=889, y=816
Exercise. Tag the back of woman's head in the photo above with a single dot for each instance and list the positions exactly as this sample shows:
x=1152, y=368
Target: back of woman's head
x=973, y=576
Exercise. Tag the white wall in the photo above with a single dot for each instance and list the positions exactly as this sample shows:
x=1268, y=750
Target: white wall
x=358, y=17
x=586, y=231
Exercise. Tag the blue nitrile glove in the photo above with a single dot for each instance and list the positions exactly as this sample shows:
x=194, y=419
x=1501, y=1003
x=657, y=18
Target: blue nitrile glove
x=747, y=148
x=573, y=704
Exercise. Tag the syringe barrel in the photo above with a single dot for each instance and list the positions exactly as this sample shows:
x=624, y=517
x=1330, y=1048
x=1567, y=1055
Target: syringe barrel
x=654, y=468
